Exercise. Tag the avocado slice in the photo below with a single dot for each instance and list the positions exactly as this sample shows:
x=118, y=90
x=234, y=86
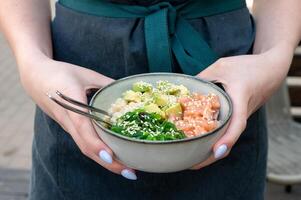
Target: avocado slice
x=130, y=95
x=142, y=87
x=146, y=97
x=167, y=87
x=161, y=99
x=183, y=90
x=153, y=108
x=174, y=109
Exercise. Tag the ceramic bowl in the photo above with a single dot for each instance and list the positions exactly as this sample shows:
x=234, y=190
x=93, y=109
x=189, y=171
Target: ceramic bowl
x=161, y=156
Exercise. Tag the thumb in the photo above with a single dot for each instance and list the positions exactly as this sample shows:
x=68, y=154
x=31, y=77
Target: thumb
x=94, y=79
x=211, y=73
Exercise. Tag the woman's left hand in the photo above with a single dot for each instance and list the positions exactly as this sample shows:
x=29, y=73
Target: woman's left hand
x=249, y=80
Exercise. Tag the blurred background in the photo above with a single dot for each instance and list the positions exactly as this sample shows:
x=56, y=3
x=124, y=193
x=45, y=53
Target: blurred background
x=15, y=140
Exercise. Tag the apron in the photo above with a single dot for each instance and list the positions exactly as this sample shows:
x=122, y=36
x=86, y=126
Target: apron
x=116, y=48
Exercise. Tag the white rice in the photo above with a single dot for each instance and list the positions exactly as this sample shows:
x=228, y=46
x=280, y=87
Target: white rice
x=120, y=107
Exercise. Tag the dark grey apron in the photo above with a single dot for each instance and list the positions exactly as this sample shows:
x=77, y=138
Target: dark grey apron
x=116, y=48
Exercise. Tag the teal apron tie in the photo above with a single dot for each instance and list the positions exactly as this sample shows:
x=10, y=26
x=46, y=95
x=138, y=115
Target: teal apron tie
x=167, y=30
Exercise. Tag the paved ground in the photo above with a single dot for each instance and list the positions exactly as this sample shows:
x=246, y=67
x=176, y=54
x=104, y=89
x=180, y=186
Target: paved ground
x=16, y=116
x=14, y=184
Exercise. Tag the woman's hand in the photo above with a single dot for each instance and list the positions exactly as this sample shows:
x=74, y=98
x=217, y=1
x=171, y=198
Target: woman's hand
x=249, y=80
x=47, y=76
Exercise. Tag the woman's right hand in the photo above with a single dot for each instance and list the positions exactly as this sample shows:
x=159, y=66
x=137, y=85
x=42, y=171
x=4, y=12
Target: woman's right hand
x=44, y=76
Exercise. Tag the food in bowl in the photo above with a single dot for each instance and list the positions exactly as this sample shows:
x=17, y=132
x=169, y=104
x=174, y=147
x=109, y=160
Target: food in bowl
x=163, y=112
x=161, y=156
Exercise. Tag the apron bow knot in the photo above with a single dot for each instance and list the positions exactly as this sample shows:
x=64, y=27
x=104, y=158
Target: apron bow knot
x=167, y=30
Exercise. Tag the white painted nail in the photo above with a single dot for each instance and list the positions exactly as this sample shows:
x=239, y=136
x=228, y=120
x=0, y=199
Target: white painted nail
x=128, y=174
x=105, y=156
x=220, y=151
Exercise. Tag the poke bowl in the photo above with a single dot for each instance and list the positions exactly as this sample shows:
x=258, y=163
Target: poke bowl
x=162, y=122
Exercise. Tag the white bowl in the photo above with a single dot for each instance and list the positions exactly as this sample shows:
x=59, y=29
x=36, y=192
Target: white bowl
x=161, y=156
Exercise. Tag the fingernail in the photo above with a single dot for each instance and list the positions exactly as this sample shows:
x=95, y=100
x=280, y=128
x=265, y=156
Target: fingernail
x=105, y=156
x=128, y=174
x=220, y=151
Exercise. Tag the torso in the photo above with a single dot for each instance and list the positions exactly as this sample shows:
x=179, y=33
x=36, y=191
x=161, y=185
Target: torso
x=116, y=48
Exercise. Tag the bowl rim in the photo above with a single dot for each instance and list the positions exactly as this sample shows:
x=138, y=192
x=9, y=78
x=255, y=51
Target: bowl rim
x=228, y=117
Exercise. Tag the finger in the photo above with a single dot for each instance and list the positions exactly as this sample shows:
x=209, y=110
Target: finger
x=93, y=147
x=224, y=145
x=94, y=79
x=212, y=71
x=205, y=163
x=209, y=73
x=213, y=75
x=237, y=125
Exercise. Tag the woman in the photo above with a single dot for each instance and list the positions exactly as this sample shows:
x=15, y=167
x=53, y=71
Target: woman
x=91, y=45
